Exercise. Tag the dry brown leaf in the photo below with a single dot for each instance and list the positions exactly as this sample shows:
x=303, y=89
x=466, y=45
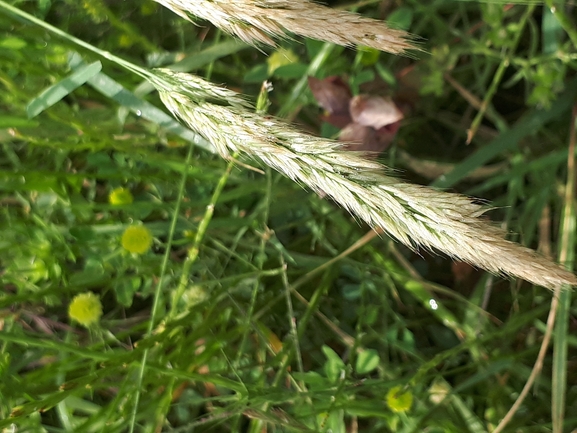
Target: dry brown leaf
x=374, y=111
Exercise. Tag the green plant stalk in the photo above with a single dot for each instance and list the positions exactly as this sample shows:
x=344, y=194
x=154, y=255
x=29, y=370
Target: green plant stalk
x=291, y=346
x=566, y=257
x=262, y=104
x=64, y=415
x=202, y=227
x=166, y=399
x=95, y=353
x=261, y=108
x=292, y=320
x=210, y=66
x=158, y=290
x=298, y=89
x=559, y=375
x=498, y=77
x=254, y=292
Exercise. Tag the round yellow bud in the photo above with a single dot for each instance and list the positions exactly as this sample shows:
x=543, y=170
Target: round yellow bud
x=399, y=401
x=85, y=309
x=120, y=196
x=136, y=239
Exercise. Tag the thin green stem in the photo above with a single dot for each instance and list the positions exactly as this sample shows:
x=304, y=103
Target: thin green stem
x=195, y=248
x=210, y=66
x=498, y=76
x=566, y=257
x=257, y=425
x=292, y=320
x=157, y=292
x=292, y=101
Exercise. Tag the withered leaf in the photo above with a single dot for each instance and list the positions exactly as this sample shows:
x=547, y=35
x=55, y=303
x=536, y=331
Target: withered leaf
x=366, y=139
x=374, y=111
x=332, y=94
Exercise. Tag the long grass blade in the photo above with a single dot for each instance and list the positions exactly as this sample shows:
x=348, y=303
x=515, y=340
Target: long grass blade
x=115, y=91
x=567, y=256
x=56, y=92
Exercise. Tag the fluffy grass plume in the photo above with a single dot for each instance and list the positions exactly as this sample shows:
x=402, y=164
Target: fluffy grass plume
x=413, y=214
x=257, y=21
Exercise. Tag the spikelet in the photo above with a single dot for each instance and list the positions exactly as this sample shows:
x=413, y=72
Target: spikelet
x=414, y=215
x=258, y=21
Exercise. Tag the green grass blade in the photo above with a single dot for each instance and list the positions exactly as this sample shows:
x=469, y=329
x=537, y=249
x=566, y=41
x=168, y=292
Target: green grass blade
x=209, y=55
x=56, y=92
x=566, y=256
x=112, y=89
x=298, y=89
x=158, y=290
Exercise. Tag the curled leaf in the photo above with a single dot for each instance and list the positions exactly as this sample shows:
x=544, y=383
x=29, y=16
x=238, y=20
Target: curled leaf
x=334, y=96
x=332, y=93
x=374, y=111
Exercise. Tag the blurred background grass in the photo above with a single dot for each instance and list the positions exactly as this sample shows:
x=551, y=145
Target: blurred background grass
x=276, y=325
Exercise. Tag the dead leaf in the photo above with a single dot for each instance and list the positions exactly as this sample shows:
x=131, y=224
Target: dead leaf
x=368, y=123
x=358, y=137
x=332, y=93
x=374, y=111
x=366, y=139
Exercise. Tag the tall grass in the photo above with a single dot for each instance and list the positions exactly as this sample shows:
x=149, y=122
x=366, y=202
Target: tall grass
x=259, y=306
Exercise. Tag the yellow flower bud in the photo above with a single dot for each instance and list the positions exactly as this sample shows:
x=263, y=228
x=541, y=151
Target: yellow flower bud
x=136, y=239
x=120, y=196
x=85, y=309
x=399, y=401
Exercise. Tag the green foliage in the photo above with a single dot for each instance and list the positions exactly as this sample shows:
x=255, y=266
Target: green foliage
x=236, y=314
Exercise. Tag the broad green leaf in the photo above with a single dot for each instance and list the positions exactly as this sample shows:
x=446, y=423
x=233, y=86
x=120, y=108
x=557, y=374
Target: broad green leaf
x=367, y=361
x=401, y=18
x=334, y=365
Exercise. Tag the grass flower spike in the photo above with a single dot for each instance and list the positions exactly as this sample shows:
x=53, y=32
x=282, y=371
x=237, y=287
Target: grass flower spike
x=415, y=215
x=256, y=21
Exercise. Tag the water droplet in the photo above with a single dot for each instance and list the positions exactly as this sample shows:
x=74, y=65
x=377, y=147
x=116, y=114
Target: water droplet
x=433, y=304
x=138, y=113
